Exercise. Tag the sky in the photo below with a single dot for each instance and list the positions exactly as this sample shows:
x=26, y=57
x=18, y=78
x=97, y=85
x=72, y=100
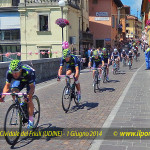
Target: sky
x=134, y=4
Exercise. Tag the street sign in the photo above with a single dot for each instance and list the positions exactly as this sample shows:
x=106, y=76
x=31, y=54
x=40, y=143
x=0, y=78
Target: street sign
x=101, y=18
x=101, y=14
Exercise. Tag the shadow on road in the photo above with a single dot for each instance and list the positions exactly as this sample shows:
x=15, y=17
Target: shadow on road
x=107, y=89
x=114, y=81
x=85, y=105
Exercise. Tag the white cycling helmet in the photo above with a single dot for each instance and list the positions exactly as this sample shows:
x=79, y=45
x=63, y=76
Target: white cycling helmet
x=115, y=50
x=129, y=51
x=123, y=50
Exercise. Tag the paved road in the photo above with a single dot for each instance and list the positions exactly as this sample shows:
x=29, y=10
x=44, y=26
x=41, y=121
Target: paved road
x=92, y=113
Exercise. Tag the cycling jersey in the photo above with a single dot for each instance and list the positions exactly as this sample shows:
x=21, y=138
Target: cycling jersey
x=115, y=55
x=130, y=55
x=123, y=54
x=135, y=51
x=96, y=62
x=74, y=62
x=105, y=57
x=27, y=77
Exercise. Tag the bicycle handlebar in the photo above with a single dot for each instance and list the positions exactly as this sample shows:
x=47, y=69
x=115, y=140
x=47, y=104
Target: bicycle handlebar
x=14, y=94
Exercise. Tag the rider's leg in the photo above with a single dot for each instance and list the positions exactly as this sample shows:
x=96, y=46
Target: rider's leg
x=30, y=104
x=16, y=87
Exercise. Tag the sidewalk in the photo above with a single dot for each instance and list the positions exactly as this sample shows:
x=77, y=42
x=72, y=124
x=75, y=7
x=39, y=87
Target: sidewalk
x=131, y=111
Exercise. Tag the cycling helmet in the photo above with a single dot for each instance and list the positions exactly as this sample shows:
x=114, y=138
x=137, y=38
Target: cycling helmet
x=115, y=50
x=104, y=49
x=95, y=53
x=130, y=52
x=66, y=53
x=15, y=65
x=123, y=50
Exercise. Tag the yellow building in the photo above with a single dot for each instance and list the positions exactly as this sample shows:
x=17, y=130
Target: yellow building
x=40, y=33
x=133, y=27
x=125, y=10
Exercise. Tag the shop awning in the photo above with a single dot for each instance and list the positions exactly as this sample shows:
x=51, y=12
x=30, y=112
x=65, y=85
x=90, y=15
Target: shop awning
x=9, y=20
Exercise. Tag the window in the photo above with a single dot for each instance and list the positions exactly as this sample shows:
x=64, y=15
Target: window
x=95, y=1
x=10, y=35
x=128, y=31
x=15, y=34
x=43, y=22
x=7, y=35
x=45, y=55
x=127, y=25
x=15, y=2
x=72, y=40
x=113, y=21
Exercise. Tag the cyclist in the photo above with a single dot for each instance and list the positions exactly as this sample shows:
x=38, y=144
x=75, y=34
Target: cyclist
x=115, y=56
x=105, y=60
x=130, y=57
x=97, y=63
x=124, y=55
x=135, y=52
x=73, y=66
x=23, y=75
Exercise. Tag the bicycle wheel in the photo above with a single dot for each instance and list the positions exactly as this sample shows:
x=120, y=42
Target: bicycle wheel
x=123, y=61
x=75, y=98
x=13, y=122
x=66, y=98
x=36, y=112
x=129, y=65
x=98, y=84
x=104, y=75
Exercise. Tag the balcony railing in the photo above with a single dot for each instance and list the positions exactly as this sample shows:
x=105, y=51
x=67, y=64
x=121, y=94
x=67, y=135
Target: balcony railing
x=72, y=3
x=85, y=36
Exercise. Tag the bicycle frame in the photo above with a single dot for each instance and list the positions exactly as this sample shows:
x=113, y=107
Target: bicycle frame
x=23, y=113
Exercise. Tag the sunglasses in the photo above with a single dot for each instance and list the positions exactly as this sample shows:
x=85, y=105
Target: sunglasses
x=16, y=71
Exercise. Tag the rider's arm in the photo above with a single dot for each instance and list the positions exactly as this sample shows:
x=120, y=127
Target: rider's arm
x=61, y=67
x=112, y=56
x=77, y=72
x=6, y=88
x=60, y=70
x=90, y=62
x=102, y=62
x=31, y=91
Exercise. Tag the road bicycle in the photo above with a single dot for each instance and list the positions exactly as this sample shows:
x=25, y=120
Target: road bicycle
x=17, y=116
x=124, y=61
x=129, y=63
x=104, y=74
x=69, y=93
x=96, y=80
x=115, y=67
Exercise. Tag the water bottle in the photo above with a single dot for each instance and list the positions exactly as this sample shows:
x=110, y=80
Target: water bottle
x=22, y=103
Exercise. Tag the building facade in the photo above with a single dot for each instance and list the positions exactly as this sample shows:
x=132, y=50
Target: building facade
x=133, y=27
x=40, y=33
x=9, y=29
x=104, y=22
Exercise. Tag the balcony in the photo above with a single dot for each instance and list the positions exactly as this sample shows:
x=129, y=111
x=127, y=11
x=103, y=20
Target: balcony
x=72, y=3
x=86, y=37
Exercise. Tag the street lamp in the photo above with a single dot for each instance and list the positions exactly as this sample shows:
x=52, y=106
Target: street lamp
x=62, y=4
